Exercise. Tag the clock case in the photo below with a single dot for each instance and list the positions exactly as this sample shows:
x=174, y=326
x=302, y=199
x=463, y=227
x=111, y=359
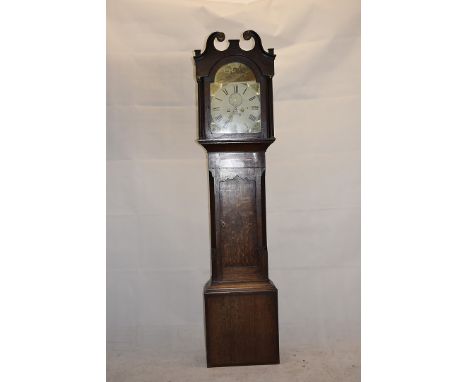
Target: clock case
x=240, y=302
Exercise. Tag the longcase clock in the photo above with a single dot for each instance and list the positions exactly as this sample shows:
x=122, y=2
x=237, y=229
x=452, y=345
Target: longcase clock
x=235, y=104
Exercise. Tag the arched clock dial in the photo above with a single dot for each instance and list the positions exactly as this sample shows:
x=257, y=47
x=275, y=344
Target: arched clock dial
x=235, y=108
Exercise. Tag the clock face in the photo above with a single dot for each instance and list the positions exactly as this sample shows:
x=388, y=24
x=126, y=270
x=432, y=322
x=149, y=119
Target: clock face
x=235, y=107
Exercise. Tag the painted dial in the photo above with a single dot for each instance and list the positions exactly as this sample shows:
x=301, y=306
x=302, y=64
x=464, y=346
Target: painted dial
x=235, y=108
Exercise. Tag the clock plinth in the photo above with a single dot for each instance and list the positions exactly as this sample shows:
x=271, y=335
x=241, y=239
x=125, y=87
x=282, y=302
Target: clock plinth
x=241, y=323
x=236, y=128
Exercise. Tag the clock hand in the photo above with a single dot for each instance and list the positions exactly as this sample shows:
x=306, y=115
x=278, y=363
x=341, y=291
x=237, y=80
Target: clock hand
x=230, y=118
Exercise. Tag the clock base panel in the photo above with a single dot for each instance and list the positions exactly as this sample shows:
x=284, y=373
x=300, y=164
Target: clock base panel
x=241, y=323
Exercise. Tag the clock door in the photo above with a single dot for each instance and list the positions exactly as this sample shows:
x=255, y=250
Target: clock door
x=238, y=220
x=238, y=228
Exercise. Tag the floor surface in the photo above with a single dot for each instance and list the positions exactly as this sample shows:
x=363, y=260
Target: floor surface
x=297, y=364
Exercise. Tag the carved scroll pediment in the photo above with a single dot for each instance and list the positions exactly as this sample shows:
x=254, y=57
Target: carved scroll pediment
x=204, y=61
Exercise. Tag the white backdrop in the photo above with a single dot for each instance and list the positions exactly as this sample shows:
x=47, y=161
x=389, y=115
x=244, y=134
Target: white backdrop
x=158, y=238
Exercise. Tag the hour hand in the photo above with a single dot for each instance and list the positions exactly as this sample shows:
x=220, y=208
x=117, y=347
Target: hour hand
x=230, y=118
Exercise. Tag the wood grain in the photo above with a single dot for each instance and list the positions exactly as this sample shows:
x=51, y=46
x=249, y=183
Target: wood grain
x=238, y=222
x=242, y=327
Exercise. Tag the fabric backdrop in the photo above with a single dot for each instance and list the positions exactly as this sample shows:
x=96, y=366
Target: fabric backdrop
x=158, y=226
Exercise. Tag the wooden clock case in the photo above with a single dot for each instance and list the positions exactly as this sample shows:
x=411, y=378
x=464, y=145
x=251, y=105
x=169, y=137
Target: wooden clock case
x=241, y=303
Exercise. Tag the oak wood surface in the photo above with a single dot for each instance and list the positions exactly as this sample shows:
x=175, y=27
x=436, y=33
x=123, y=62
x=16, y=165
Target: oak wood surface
x=242, y=326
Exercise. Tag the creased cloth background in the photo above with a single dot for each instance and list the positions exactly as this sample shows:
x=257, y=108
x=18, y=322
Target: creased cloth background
x=158, y=223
